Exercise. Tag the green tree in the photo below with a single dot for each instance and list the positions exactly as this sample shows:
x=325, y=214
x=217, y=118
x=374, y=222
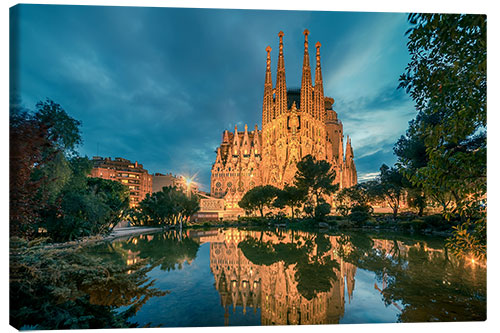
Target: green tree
x=39, y=142
x=258, y=198
x=446, y=77
x=316, y=179
x=84, y=206
x=50, y=188
x=358, y=195
x=292, y=197
x=416, y=199
x=166, y=207
x=391, y=187
x=63, y=131
x=412, y=156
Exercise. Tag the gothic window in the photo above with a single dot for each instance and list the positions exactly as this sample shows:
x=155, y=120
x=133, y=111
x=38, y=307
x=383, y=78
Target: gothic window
x=218, y=184
x=229, y=184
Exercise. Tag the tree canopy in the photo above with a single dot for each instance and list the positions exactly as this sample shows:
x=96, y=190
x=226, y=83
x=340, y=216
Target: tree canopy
x=50, y=191
x=166, y=207
x=292, y=197
x=316, y=178
x=444, y=149
x=258, y=198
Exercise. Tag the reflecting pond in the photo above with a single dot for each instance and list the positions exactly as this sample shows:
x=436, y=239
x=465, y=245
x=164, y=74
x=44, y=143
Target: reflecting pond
x=241, y=277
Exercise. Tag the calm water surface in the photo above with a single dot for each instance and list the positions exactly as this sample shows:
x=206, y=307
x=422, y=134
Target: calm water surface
x=243, y=277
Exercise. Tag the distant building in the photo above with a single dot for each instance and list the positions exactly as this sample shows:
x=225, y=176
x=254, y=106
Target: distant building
x=133, y=175
x=162, y=180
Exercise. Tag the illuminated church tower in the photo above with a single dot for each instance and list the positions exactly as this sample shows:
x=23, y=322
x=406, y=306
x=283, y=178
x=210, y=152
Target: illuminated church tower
x=295, y=123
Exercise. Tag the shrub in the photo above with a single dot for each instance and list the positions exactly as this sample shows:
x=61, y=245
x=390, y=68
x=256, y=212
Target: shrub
x=360, y=214
x=434, y=220
x=321, y=210
x=68, y=289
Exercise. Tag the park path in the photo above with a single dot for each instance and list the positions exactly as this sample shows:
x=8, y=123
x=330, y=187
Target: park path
x=129, y=231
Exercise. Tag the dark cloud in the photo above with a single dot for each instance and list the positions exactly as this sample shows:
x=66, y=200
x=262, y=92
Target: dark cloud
x=159, y=85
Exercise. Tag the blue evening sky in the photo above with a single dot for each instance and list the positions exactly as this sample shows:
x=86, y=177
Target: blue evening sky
x=159, y=85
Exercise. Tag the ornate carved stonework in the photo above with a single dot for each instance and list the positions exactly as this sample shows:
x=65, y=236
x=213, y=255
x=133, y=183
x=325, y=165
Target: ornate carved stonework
x=269, y=156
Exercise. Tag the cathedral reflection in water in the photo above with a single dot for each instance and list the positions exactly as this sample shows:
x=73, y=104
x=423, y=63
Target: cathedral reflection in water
x=273, y=288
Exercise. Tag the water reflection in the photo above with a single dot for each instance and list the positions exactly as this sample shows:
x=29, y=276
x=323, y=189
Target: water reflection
x=304, y=278
x=246, y=277
x=294, y=278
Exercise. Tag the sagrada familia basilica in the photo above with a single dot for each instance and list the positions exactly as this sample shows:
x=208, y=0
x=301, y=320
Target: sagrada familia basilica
x=295, y=123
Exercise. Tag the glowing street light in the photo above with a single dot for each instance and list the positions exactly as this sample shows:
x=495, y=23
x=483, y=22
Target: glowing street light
x=188, y=181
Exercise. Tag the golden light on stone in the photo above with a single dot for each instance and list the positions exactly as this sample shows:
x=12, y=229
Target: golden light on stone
x=294, y=124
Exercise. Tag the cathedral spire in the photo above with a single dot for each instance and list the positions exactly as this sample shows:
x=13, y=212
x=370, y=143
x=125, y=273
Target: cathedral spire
x=236, y=141
x=306, y=88
x=256, y=141
x=281, y=98
x=267, y=105
x=348, y=149
x=218, y=159
x=319, y=98
x=245, y=146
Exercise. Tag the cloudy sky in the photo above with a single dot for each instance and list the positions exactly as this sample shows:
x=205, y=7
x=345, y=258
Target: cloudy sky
x=159, y=85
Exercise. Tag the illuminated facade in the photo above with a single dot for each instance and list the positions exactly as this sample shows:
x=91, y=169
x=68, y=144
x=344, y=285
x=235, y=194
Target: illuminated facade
x=295, y=123
x=130, y=174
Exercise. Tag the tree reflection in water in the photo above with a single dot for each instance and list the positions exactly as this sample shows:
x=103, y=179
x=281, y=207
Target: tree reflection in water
x=91, y=287
x=284, y=277
x=67, y=288
x=300, y=278
x=293, y=277
x=428, y=282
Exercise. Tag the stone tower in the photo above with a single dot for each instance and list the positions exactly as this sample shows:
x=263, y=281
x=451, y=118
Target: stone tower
x=295, y=123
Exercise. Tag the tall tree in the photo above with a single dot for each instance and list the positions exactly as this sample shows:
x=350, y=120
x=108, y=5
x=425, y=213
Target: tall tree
x=446, y=78
x=40, y=143
x=27, y=139
x=316, y=178
x=391, y=187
